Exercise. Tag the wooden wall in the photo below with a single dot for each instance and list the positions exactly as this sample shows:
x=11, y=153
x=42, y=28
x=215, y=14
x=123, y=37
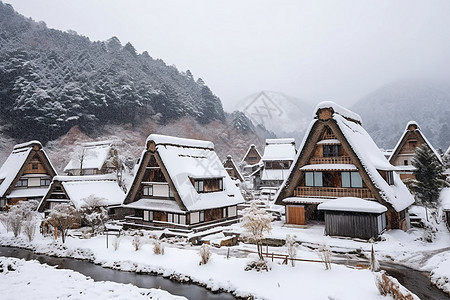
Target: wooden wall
x=356, y=225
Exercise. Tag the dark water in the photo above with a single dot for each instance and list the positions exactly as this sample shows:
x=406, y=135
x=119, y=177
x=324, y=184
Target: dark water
x=98, y=273
x=415, y=281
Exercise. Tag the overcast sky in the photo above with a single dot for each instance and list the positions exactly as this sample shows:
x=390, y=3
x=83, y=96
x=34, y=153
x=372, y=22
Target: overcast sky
x=314, y=50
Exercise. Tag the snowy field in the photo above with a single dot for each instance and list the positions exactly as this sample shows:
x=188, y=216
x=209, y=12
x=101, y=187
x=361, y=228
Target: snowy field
x=20, y=279
x=307, y=280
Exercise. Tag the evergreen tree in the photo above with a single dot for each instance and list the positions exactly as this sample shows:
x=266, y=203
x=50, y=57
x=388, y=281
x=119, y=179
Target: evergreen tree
x=429, y=177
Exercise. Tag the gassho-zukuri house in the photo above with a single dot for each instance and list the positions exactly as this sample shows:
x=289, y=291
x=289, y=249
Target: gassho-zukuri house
x=75, y=190
x=181, y=184
x=405, y=150
x=338, y=159
x=26, y=174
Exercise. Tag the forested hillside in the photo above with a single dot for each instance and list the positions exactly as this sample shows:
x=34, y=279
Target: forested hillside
x=386, y=111
x=51, y=81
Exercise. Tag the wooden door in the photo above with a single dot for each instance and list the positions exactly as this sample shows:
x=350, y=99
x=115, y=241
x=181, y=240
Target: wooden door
x=296, y=215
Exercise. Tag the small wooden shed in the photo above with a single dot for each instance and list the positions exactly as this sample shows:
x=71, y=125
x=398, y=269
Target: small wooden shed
x=354, y=217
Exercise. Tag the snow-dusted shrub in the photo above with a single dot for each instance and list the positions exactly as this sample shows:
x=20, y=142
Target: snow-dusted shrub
x=116, y=243
x=137, y=242
x=94, y=213
x=388, y=285
x=325, y=255
x=256, y=221
x=29, y=228
x=291, y=248
x=15, y=221
x=205, y=254
x=63, y=217
x=374, y=264
x=4, y=219
x=18, y=213
x=254, y=263
x=158, y=247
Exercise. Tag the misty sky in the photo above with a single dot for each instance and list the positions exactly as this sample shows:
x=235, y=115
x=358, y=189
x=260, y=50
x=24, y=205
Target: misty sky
x=314, y=50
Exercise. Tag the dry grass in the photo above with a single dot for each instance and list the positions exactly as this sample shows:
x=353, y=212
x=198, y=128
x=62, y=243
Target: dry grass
x=388, y=285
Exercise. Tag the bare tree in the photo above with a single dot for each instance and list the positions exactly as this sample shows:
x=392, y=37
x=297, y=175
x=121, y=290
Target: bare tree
x=256, y=222
x=94, y=213
x=63, y=217
x=291, y=248
x=325, y=254
x=24, y=210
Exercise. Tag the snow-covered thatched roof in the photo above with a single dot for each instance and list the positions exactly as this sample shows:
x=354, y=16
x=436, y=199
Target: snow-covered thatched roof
x=186, y=159
x=279, y=149
x=367, y=152
x=79, y=188
x=95, y=156
x=417, y=130
x=15, y=162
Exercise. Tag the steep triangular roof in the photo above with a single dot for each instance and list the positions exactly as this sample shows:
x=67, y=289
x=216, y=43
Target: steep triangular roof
x=251, y=149
x=182, y=160
x=412, y=126
x=365, y=154
x=15, y=164
x=229, y=163
x=78, y=188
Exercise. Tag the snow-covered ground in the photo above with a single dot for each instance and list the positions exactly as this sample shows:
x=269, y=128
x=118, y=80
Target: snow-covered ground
x=307, y=279
x=20, y=279
x=310, y=280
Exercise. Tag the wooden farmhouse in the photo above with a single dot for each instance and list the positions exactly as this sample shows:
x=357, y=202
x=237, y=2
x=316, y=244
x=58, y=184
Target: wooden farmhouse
x=252, y=156
x=181, y=184
x=232, y=169
x=76, y=189
x=92, y=159
x=404, y=151
x=277, y=159
x=26, y=174
x=251, y=161
x=339, y=159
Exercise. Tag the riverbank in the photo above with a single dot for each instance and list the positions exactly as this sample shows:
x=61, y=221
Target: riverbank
x=22, y=279
x=310, y=280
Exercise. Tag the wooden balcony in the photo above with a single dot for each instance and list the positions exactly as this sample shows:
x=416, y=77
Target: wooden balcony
x=333, y=192
x=331, y=160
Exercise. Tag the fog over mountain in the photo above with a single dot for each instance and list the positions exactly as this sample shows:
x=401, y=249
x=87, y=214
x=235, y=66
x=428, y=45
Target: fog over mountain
x=386, y=111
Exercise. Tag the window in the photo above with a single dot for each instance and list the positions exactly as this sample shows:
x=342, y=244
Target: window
x=22, y=183
x=45, y=182
x=208, y=185
x=176, y=218
x=148, y=215
x=34, y=166
x=199, y=186
x=202, y=216
x=34, y=182
x=147, y=190
x=224, y=212
x=195, y=217
x=232, y=211
x=331, y=150
x=405, y=162
x=351, y=179
x=313, y=179
x=390, y=177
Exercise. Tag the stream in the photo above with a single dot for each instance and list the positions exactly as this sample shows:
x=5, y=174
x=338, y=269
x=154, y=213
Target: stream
x=416, y=281
x=99, y=273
